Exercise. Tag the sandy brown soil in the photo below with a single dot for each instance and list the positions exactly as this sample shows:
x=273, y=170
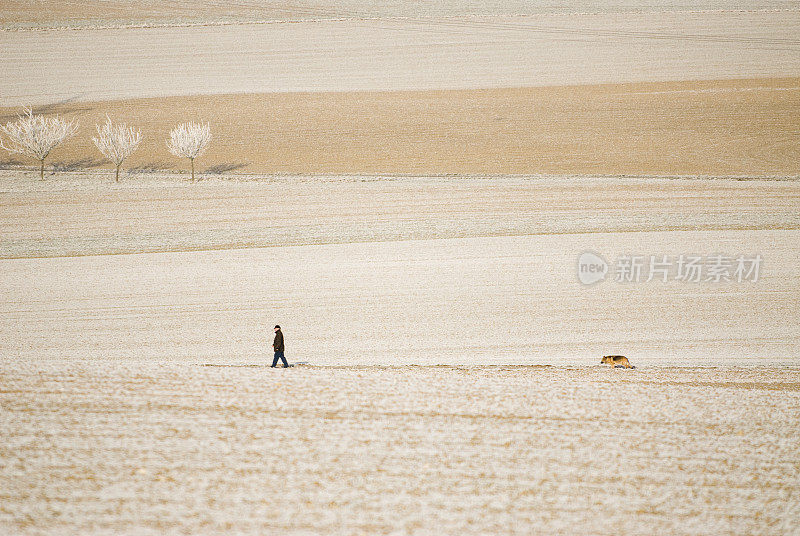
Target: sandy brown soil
x=740, y=127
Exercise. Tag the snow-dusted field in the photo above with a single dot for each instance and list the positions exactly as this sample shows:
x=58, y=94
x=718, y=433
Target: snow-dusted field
x=394, y=270
x=403, y=54
x=135, y=322
x=134, y=332
x=453, y=383
x=159, y=447
x=47, y=14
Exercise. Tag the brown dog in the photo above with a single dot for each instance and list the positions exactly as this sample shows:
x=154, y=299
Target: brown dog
x=615, y=360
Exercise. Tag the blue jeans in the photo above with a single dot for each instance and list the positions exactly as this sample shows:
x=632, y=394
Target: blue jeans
x=279, y=355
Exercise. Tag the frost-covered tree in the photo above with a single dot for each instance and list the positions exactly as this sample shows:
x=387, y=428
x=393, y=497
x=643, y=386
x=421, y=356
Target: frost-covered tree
x=117, y=142
x=189, y=140
x=36, y=135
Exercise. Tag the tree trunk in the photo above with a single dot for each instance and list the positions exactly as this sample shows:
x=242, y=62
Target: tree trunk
x=192, y=160
x=41, y=170
x=117, y=177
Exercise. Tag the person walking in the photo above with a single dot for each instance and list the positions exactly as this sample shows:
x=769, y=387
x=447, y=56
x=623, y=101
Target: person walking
x=277, y=345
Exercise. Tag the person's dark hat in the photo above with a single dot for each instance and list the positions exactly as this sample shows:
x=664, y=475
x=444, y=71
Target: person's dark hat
x=277, y=326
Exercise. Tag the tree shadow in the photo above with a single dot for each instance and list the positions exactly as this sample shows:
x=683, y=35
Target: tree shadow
x=225, y=167
x=149, y=167
x=10, y=163
x=64, y=107
x=76, y=165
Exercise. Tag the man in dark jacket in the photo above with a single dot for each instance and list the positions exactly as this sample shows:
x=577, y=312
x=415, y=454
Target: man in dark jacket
x=277, y=345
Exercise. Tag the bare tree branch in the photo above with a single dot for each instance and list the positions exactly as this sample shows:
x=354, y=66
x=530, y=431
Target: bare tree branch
x=117, y=142
x=36, y=135
x=189, y=140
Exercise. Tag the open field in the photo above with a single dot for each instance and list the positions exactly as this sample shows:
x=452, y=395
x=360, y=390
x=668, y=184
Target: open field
x=388, y=271
x=77, y=214
x=20, y=14
x=388, y=55
x=734, y=127
x=130, y=447
x=406, y=187
x=633, y=91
